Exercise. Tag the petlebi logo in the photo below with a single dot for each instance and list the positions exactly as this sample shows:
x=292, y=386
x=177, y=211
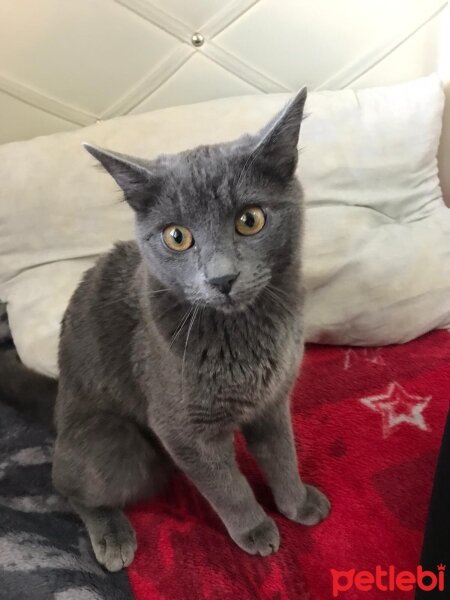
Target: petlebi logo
x=387, y=580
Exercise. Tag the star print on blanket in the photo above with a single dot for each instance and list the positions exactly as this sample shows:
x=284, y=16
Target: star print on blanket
x=397, y=406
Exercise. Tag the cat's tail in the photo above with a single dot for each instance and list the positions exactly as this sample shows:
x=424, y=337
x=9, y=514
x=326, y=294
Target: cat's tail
x=29, y=392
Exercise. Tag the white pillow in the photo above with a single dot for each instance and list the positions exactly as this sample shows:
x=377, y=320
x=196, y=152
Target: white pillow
x=377, y=247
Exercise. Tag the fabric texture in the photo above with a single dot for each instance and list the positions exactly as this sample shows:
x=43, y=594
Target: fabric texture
x=45, y=552
x=368, y=424
x=377, y=257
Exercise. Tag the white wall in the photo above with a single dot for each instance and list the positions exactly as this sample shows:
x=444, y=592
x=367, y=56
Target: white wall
x=67, y=63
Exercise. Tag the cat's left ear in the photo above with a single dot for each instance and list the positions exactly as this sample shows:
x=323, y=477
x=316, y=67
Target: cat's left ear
x=277, y=149
x=139, y=184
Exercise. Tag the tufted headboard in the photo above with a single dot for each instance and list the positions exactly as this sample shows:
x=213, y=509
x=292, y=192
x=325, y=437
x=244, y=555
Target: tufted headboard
x=65, y=63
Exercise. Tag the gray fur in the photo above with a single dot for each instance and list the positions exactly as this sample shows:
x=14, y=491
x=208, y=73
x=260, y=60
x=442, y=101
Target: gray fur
x=158, y=366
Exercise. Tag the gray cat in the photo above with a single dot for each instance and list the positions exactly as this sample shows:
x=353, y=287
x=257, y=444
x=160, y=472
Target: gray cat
x=172, y=343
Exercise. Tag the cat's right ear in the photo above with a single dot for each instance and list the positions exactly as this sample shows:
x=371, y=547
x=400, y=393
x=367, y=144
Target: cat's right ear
x=276, y=151
x=138, y=183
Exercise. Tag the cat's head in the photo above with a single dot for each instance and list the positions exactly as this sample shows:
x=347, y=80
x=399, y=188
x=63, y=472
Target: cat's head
x=217, y=224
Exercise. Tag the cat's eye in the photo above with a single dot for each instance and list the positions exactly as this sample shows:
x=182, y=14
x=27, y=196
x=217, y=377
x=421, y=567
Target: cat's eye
x=177, y=237
x=250, y=221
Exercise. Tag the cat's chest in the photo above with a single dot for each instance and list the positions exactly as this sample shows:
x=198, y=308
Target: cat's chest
x=235, y=370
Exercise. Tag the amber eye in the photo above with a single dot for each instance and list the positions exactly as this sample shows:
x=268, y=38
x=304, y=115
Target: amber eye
x=177, y=237
x=250, y=221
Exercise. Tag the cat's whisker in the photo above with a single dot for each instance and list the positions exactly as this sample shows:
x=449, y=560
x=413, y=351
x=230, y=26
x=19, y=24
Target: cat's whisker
x=185, y=347
x=271, y=294
x=256, y=282
x=180, y=326
x=278, y=290
x=201, y=313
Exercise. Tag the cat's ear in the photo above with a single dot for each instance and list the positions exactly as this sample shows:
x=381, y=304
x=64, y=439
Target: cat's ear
x=138, y=183
x=277, y=151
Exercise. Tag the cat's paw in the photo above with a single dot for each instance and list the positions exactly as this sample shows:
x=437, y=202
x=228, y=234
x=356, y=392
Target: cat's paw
x=264, y=539
x=115, y=549
x=313, y=508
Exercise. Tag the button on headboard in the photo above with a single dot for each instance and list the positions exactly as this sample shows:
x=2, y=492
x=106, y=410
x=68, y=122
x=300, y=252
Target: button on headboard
x=65, y=65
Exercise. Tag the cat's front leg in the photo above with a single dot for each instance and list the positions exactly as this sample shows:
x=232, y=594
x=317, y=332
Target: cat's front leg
x=212, y=467
x=271, y=441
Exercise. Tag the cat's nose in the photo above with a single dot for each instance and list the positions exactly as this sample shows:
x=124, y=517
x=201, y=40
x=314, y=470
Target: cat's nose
x=224, y=283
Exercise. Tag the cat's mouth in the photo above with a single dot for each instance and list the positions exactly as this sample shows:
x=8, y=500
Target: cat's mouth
x=232, y=302
x=225, y=303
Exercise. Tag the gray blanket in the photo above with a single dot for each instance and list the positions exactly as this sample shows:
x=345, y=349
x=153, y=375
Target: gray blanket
x=44, y=550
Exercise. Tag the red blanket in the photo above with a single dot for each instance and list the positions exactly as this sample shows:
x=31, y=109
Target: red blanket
x=368, y=424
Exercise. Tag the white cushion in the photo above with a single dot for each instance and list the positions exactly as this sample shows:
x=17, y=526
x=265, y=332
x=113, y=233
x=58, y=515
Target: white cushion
x=377, y=245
